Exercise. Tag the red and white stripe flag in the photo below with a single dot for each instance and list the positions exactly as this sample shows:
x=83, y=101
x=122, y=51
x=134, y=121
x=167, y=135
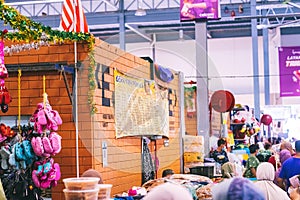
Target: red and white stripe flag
x=72, y=13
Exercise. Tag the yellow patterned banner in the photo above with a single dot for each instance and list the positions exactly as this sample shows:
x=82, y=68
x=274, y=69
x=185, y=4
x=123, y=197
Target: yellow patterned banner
x=140, y=107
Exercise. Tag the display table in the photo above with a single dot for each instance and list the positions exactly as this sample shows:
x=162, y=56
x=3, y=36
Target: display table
x=199, y=186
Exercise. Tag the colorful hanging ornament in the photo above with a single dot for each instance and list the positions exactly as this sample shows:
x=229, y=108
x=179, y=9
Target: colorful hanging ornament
x=5, y=97
x=266, y=119
x=241, y=8
x=232, y=14
x=226, y=10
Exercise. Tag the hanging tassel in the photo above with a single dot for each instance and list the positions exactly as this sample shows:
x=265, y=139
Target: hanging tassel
x=19, y=99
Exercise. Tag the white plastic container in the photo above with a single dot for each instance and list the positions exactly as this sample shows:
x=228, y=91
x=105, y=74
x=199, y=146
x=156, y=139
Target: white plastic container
x=81, y=183
x=104, y=191
x=81, y=194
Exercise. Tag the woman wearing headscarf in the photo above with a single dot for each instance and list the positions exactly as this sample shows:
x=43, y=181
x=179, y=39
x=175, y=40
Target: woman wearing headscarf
x=169, y=191
x=283, y=156
x=237, y=189
x=284, y=145
x=265, y=175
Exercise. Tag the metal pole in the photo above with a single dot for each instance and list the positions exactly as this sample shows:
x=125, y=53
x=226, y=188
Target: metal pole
x=182, y=120
x=266, y=66
x=122, y=26
x=255, y=61
x=202, y=83
x=76, y=96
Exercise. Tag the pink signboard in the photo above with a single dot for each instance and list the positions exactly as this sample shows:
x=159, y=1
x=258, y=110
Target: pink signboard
x=199, y=10
x=289, y=71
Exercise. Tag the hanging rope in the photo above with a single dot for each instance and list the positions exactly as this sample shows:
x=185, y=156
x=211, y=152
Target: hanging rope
x=44, y=92
x=19, y=99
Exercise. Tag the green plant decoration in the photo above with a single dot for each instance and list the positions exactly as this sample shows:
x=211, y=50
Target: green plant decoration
x=31, y=31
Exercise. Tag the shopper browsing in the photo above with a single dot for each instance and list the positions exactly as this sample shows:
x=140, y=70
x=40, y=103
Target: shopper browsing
x=283, y=156
x=252, y=162
x=167, y=173
x=290, y=168
x=220, y=155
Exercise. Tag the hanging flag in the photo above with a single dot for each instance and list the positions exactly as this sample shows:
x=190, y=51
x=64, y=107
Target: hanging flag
x=72, y=13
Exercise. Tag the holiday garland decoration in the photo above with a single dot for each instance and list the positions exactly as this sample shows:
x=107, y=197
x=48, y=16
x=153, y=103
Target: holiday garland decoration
x=37, y=35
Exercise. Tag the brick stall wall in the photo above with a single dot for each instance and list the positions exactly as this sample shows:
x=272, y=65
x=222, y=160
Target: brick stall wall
x=124, y=154
x=32, y=93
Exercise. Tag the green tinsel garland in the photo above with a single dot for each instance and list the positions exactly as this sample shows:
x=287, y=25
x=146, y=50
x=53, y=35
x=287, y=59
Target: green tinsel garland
x=31, y=31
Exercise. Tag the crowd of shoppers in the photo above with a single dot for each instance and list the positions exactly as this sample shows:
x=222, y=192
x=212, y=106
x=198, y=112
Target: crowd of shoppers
x=275, y=170
x=277, y=176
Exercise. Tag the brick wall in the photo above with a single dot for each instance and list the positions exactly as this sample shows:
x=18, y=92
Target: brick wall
x=124, y=154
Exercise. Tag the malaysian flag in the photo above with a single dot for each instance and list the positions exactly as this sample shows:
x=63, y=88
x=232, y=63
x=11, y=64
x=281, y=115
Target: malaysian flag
x=72, y=13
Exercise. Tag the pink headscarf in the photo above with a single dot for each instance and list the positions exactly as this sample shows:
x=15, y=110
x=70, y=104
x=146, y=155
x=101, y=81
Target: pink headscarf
x=283, y=156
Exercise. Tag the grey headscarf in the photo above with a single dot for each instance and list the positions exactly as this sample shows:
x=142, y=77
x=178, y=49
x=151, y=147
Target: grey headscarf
x=237, y=189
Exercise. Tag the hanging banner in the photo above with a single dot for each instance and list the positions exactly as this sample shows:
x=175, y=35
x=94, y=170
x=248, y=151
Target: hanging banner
x=199, y=10
x=190, y=101
x=289, y=71
x=140, y=107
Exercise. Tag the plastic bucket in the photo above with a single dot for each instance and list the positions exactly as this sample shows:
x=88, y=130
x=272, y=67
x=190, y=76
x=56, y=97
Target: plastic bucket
x=104, y=191
x=81, y=194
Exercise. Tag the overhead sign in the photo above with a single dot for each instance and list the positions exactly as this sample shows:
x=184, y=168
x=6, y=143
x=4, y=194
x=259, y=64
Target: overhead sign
x=199, y=10
x=289, y=71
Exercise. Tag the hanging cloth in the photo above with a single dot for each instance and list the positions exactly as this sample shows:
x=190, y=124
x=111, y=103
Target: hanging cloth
x=148, y=169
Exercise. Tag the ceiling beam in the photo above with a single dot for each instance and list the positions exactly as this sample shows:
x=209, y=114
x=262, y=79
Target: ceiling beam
x=106, y=24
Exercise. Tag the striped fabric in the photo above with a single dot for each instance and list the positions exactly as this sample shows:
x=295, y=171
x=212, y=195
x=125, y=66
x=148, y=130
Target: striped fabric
x=69, y=17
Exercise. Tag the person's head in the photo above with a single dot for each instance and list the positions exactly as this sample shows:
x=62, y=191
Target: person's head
x=267, y=145
x=221, y=142
x=260, y=157
x=92, y=173
x=168, y=191
x=265, y=171
x=286, y=145
x=237, y=188
x=278, y=140
x=167, y=173
x=297, y=146
x=284, y=155
x=253, y=148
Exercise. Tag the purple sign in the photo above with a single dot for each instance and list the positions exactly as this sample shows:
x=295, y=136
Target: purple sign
x=199, y=9
x=289, y=71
